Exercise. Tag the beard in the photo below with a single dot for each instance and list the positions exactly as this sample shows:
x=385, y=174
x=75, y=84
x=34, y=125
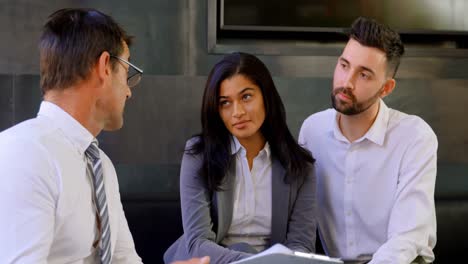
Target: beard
x=354, y=107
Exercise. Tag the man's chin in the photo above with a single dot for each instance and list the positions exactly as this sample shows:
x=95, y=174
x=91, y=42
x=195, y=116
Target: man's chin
x=343, y=108
x=348, y=112
x=113, y=126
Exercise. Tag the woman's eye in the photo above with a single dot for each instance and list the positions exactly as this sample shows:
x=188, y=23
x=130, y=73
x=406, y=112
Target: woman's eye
x=223, y=103
x=246, y=96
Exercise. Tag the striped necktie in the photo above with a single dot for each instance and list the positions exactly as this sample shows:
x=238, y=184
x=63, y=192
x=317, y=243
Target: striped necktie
x=100, y=199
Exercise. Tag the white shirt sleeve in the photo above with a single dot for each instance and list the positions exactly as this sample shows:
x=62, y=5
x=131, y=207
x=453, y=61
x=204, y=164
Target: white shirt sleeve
x=28, y=194
x=302, y=137
x=412, y=225
x=124, y=250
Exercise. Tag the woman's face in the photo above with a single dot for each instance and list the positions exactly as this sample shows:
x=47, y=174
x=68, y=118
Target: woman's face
x=241, y=107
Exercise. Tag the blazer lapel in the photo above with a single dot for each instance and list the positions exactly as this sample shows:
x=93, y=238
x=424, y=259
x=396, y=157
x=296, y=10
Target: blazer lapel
x=280, y=192
x=224, y=204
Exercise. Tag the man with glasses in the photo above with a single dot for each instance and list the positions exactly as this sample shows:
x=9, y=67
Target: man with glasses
x=134, y=73
x=59, y=196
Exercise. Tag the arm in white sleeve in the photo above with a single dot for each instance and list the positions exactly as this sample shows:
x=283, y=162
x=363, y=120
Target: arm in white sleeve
x=28, y=193
x=412, y=225
x=124, y=250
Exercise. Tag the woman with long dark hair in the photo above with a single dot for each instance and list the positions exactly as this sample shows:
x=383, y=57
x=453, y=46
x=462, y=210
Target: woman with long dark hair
x=245, y=183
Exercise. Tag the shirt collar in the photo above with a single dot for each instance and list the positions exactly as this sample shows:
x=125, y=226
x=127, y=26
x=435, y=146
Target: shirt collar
x=236, y=147
x=78, y=135
x=376, y=132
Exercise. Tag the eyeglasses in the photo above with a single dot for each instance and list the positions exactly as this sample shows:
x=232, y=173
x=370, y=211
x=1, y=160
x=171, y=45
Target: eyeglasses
x=134, y=73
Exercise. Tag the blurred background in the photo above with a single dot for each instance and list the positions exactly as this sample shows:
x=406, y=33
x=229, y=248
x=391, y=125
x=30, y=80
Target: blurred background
x=178, y=41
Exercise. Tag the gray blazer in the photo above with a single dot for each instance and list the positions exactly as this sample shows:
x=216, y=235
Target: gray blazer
x=206, y=216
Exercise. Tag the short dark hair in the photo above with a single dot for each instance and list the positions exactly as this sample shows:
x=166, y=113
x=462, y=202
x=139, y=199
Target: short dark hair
x=72, y=41
x=370, y=33
x=214, y=142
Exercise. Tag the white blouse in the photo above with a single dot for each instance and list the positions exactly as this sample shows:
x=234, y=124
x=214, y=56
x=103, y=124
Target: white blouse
x=251, y=221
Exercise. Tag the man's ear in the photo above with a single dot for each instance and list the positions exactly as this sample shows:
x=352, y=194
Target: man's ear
x=388, y=87
x=103, y=66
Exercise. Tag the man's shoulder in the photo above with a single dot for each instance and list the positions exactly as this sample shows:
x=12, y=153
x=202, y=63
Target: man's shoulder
x=31, y=130
x=29, y=137
x=409, y=124
x=319, y=119
x=24, y=154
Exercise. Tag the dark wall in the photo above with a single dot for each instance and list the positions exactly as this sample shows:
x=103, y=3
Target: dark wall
x=164, y=110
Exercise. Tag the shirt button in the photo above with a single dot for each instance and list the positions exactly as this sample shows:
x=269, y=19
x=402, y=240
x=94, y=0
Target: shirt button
x=348, y=213
x=351, y=244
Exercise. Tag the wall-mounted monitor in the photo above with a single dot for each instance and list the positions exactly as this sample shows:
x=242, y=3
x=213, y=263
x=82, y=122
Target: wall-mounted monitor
x=434, y=22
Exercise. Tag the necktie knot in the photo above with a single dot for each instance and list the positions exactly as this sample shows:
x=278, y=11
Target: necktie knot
x=93, y=151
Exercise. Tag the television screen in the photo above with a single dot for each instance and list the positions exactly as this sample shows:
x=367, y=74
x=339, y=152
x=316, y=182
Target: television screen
x=436, y=23
x=407, y=16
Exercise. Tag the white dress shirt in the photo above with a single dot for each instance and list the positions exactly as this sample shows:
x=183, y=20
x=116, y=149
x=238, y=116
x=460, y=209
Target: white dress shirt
x=251, y=218
x=375, y=195
x=46, y=204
